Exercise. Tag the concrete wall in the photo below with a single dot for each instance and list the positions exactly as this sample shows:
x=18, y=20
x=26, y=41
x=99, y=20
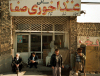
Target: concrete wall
x=5, y=63
x=5, y=38
x=82, y=29
x=72, y=34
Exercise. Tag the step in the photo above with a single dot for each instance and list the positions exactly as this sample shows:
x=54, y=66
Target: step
x=26, y=75
x=10, y=74
x=90, y=74
x=40, y=75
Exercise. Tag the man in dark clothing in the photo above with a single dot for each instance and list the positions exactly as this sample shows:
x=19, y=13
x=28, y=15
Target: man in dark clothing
x=17, y=63
x=56, y=63
x=33, y=60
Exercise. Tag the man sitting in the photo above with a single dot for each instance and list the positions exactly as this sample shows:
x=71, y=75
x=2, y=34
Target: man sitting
x=17, y=63
x=33, y=60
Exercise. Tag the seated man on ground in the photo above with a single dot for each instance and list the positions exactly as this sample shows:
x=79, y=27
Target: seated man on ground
x=17, y=63
x=33, y=60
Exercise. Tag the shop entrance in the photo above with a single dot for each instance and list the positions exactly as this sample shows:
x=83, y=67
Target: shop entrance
x=23, y=46
x=26, y=43
x=32, y=42
x=39, y=32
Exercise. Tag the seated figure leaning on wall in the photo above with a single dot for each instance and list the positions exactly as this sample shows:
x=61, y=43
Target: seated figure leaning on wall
x=17, y=63
x=79, y=58
x=33, y=60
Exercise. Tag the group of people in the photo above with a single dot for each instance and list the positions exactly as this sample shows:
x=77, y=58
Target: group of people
x=56, y=62
x=17, y=62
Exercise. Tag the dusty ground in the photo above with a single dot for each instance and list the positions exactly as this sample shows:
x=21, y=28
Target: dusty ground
x=41, y=70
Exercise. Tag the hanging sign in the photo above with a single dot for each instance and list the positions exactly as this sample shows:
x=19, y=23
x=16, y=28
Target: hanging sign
x=45, y=7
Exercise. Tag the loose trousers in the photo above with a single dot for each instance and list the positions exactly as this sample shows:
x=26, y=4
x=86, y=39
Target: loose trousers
x=35, y=64
x=14, y=68
x=57, y=71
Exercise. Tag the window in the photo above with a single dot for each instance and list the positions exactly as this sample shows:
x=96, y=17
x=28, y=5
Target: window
x=59, y=40
x=22, y=43
x=46, y=42
x=35, y=42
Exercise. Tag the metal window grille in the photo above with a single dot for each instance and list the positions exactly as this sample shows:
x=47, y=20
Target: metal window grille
x=41, y=23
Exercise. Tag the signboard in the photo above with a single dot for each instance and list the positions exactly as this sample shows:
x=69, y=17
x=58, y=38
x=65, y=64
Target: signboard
x=88, y=41
x=19, y=39
x=45, y=7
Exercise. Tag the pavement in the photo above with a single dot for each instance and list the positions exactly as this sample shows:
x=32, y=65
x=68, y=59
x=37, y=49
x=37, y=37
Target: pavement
x=40, y=71
x=90, y=74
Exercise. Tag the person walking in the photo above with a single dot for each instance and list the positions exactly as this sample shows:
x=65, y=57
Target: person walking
x=56, y=63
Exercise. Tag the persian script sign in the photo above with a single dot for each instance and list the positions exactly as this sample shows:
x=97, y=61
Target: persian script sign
x=45, y=7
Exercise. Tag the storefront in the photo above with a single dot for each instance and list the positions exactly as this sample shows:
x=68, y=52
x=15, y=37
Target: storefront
x=34, y=30
x=40, y=35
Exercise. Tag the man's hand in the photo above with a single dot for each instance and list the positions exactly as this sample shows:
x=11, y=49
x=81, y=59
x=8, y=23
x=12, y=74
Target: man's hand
x=62, y=66
x=32, y=61
x=52, y=67
x=80, y=54
x=17, y=65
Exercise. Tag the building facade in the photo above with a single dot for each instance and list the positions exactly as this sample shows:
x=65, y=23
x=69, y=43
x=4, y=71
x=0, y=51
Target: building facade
x=27, y=34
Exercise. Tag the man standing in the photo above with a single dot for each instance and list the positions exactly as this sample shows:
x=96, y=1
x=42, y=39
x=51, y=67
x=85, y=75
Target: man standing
x=17, y=63
x=79, y=59
x=56, y=63
x=33, y=60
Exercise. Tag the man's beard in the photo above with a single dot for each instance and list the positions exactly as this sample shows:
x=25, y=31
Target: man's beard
x=17, y=57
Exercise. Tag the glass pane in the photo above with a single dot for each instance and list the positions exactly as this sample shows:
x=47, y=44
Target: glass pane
x=59, y=41
x=35, y=43
x=46, y=42
x=22, y=43
x=39, y=55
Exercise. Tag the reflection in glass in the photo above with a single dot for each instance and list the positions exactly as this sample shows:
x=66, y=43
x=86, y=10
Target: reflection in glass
x=59, y=41
x=35, y=43
x=22, y=43
x=39, y=55
x=46, y=42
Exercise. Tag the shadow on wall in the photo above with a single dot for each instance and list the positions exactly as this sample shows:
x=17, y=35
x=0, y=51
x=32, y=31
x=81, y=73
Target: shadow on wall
x=5, y=63
x=65, y=55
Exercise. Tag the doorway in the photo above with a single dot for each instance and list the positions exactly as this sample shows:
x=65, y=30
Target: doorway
x=22, y=46
x=32, y=42
x=27, y=43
